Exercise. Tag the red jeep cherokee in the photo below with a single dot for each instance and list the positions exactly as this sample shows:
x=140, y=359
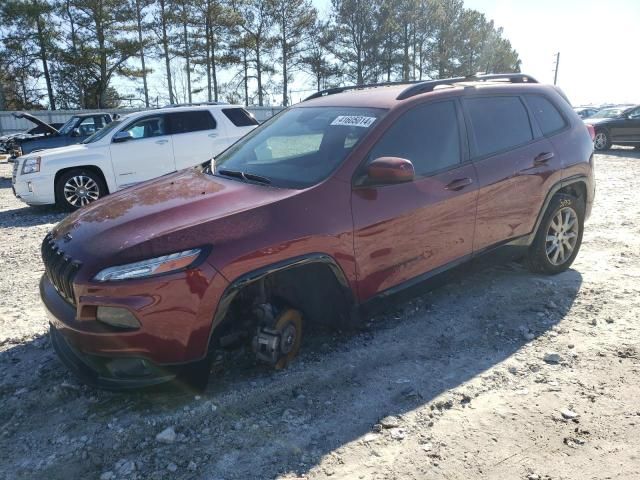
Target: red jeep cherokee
x=351, y=195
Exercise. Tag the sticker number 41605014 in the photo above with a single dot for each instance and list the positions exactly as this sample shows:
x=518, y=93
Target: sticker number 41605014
x=354, y=121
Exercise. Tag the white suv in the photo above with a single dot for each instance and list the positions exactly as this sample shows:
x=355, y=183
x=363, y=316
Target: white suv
x=137, y=147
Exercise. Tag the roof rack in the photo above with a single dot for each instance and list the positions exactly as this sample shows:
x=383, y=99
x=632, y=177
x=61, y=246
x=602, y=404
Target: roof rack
x=334, y=90
x=430, y=85
x=195, y=104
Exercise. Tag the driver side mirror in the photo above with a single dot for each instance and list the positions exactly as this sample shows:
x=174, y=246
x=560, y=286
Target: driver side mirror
x=390, y=170
x=122, y=137
x=75, y=132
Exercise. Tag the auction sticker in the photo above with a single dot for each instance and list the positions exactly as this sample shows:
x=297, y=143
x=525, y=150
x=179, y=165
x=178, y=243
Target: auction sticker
x=354, y=121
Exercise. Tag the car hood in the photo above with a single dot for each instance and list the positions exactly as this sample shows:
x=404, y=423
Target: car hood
x=175, y=212
x=37, y=121
x=68, y=151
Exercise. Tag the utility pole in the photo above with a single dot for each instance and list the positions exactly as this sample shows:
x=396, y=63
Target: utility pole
x=555, y=74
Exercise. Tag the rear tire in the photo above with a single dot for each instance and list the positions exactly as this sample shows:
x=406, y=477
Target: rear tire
x=79, y=187
x=559, y=236
x=601, y=141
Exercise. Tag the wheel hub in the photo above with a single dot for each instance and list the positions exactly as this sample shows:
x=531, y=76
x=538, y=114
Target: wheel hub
x=81, y=190
x=562, y=236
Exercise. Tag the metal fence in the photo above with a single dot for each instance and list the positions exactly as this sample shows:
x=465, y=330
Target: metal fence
x=10, y=124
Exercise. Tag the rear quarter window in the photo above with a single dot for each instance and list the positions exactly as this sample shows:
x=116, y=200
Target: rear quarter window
x=239, y=117
x=185, y=122
x=547, y=115
x=498, y=123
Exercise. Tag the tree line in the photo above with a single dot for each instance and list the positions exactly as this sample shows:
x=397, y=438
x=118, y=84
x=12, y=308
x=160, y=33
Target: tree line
x=67, y=53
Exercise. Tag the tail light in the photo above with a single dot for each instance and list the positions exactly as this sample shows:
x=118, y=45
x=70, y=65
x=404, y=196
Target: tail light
x=592, y=131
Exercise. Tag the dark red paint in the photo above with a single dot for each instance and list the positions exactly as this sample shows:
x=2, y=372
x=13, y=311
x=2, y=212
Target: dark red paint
x=380, y=236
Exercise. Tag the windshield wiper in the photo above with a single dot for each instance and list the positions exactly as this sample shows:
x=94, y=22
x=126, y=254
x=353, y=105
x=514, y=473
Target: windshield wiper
x=248, y=177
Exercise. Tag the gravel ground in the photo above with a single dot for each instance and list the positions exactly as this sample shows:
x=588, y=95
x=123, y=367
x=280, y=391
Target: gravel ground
x=498, y=374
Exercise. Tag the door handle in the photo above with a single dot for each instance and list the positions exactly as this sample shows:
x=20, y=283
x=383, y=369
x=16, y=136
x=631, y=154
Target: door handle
x=458, y=184
x=161, y=142
x=213, y=135
x=543, y=158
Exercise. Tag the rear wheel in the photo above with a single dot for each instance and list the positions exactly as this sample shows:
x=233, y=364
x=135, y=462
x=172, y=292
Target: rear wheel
x=559, y=236
x=79, y=187
x=601, y=141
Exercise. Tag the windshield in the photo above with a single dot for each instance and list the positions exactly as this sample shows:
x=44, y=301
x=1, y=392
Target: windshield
x=68, y=126
x=104, y=131
x=609, y=113
x=298, y=148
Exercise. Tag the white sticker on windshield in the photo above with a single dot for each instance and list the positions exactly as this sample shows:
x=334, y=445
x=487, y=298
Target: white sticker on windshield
x=354, y=121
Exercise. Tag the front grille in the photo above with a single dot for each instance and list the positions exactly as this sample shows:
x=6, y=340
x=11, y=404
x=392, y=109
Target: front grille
x=60, y=268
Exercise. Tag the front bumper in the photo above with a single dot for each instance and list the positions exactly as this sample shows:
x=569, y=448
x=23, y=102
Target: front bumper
x=34, y=189
x=170, y=338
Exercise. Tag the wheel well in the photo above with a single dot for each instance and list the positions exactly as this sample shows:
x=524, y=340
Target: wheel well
x=312, y=288
x=92, y=168
x=577, y=189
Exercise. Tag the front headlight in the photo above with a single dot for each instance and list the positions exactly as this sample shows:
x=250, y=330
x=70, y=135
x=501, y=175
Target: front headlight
x=31, y=165
x=148, y=268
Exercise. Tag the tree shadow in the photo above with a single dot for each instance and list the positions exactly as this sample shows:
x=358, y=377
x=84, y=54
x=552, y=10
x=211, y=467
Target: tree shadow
x=28, y=216
x=256, y=423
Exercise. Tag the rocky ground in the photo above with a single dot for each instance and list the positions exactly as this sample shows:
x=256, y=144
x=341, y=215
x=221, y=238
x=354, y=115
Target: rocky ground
x=498, y=374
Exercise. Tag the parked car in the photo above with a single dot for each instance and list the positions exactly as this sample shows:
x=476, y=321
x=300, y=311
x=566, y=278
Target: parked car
x=344, y=198
x=586, y=112
x=137, y=147
x=616, y=126
x=75, y=130
x=37, y=131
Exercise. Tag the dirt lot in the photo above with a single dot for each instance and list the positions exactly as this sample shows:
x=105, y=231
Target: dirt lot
x=459, y=371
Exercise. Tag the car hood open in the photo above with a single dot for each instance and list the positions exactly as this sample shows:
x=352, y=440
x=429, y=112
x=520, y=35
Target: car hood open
x=37, y=121
x=169, y=214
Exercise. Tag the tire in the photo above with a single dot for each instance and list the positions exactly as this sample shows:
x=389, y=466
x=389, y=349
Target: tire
x=564, y=220
x=601, y=141
x=87, y=185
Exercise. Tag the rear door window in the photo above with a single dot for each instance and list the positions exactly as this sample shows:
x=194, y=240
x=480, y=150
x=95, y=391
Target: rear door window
x=547, y=115
x=239, y=117
x=498, y=123
x=427, y=135
x=185, y=122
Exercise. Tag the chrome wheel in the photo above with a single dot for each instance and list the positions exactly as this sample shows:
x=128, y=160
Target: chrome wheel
x=562, y=236
x=81, y=190
x=600, y=141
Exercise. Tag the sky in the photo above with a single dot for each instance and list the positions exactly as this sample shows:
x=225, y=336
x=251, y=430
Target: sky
x=598, y=43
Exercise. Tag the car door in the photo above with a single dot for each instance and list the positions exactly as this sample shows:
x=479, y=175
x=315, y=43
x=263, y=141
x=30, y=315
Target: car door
x=146, y=154
x=404, y=231
x=627, y=127
x=195, y=134
x=513, y=160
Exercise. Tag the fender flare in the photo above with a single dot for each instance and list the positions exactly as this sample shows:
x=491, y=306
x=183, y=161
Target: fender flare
x=248, y=278
x=555, y=188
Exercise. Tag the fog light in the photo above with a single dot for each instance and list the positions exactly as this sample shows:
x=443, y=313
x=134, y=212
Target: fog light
x=117, y=317
x=29, y=187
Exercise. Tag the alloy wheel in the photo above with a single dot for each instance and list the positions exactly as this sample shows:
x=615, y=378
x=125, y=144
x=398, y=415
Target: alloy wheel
x=600, y=141
x=81, y=190
x=562, y=236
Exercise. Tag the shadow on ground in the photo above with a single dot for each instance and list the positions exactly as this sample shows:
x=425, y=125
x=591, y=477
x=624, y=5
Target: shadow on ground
x=426, y=343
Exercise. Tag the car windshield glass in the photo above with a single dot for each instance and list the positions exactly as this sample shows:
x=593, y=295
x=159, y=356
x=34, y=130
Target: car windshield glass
x=299, y=147
x=608, y=113
x=67, y=127
x=103, y=132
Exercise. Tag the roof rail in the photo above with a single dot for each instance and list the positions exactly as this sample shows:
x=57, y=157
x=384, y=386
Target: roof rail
x=334, y=90
x=195, y=104
x=430, y=85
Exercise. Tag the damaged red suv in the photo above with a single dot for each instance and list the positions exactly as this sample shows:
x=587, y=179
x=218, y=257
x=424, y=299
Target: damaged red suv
x=351, y=195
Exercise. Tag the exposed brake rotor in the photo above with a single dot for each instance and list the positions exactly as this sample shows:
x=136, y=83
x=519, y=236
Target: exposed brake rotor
x=279, y=343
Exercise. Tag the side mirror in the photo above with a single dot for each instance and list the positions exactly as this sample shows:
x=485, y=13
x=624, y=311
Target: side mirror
x=75, y=132
x=389, y=170
x=122, y=137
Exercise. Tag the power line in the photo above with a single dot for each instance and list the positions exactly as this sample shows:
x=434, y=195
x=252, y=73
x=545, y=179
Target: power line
x=555, y=74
